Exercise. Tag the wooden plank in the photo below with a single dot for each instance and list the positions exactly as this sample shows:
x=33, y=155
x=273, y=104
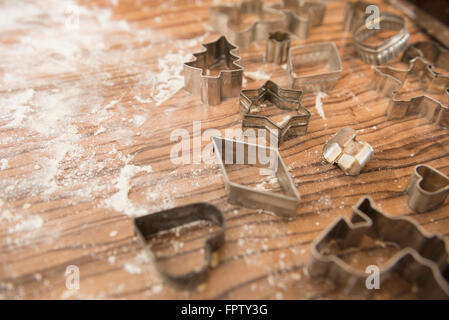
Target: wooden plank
x=85, y=113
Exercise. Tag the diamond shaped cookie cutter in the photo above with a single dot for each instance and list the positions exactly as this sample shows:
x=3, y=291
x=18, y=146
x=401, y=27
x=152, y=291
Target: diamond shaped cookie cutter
x=422, y=259
x=388, y=81
x=214, y=88
x=427, y=188
x=225, y=19
x=314, y=53
x=151, y=224
x=285, y=99
x=301, y=16
x=348, y=153
x=229, y=151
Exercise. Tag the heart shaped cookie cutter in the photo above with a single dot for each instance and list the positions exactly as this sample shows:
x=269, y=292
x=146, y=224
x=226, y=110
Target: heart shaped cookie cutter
x=427, y=188
x=151, y=224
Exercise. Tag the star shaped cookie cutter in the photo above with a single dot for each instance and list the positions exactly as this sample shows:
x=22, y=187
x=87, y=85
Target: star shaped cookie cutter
x=284, y=99
x=301, y=16
x=422, y=258
x=214, y=88
x=388, y=81
x=225, y=19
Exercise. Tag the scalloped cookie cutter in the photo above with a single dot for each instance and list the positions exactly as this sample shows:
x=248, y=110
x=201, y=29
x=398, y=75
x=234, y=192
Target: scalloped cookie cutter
x=427, y=188
x=214, y=88
x=151, y=224
x=422, y=260
x=355, y=21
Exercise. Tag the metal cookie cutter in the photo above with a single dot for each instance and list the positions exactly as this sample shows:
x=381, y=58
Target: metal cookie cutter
x=427, y=188
x=278, y=45
x=389, y=80
x=355, y=15
x=301, y=16
x=236, y=152
x=356, y=22
x=284, y=99
x=225, y=19
x=303, y=56
x=431, y=51
x=151, y=224
x=214, y=88
x=348, y=153
x=422, y=260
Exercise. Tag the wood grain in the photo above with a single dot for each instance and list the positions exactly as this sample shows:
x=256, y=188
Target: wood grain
x=263, y=256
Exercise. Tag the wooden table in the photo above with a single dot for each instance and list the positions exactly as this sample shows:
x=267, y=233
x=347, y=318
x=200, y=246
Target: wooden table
x=89, y=100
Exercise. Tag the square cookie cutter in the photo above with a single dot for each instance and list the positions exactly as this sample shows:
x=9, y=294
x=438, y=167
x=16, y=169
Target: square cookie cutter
x=314, y=53
x=229, y=151
x=151, y=224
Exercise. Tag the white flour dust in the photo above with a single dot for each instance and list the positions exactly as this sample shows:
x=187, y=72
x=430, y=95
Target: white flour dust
x=59, y=72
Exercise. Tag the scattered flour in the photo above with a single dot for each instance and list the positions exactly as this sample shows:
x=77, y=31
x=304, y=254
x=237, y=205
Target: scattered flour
x=27, y=224
x=132, y=268
x=4, y=164
x=100, y=130
x=120, y=201
x=319, y=104
x=257, y=75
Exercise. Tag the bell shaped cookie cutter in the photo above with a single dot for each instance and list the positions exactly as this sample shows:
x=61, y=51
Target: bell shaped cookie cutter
x=151, y=224
x=300, y=56
x=214, y=88
x=422, y=259
x=229, y=151
x=388, y=81
x=301, y=15
x=225, y=19
x=285, y=99
x=427, y=188
x=348, y=153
